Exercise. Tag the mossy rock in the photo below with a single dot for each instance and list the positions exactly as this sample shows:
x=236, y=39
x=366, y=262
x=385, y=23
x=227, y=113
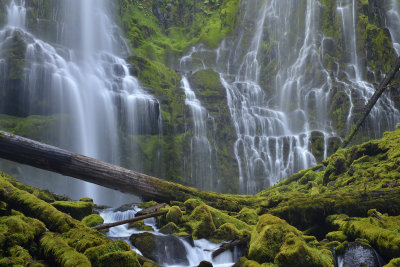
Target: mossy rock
x=394, y=263
x=139, y=225
x=274, y=240
x=201, y=222
x=145, y=205
x=92, y=220
x=247, y=215
x=227, y=231
x=381, y=232
x=174, y=215
x=120, y=259
x=82, y=238
x=169, y=229
x=145, y=242
x=19, y=230
x=86, y=199
x=77, y=209
x=94, y=254
x=336, y=236
x=192, y=203
x=18, y=256
x=295, y=252
x=59, y=252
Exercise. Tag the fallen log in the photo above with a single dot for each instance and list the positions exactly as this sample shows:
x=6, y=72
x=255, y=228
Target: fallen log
x=39, y=155
x=135, y=219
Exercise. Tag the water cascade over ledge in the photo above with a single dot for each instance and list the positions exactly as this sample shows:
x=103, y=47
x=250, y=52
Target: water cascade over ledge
x=81, y=80
x=282, y=93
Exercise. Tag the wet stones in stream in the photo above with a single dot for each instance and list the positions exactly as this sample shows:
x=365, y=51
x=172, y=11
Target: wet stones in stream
x=356, y=254
x=162, y=249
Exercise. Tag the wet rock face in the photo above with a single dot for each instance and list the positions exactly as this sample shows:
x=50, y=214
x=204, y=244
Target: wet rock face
x=167, y=250
x=357, y=255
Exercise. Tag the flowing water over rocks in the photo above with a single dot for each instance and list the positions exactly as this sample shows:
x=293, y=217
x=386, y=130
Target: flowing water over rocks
x=188, y=252
x=280, y=92
x=82, y=78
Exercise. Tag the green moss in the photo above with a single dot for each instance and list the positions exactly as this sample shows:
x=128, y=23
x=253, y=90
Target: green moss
x=56, y=249
x=247, y=215
x=82, y=238
x=174, y=215
x=77, y=209
x=94, y=254
x=20, y=230
x=122, y=259
x=169, y=229
x=336, y=236
x=394, y=263
x=145, y=205
x=273, y=240
x=139, y=225
x=201, y=222
x=92, y=220
x=382, y=233
x=227, y=231
x=145, y=242
x=295, y=252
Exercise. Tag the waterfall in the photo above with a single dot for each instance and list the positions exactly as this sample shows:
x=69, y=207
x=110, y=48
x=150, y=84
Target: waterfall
x=83, y=77
x=393, y=23
x=279, y=91
x=201, y=163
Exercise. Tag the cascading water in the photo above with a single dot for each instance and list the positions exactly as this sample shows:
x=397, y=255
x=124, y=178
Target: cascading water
x=277, y=111
x=186, y=253
x=384, y=115
x=393, y=23
x=202, y=164
x=83, y=79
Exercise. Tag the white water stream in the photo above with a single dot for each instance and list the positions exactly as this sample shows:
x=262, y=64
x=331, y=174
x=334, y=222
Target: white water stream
x=200, y=250
x=84, y=77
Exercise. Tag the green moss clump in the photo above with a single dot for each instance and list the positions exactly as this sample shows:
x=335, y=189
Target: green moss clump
x=201, y=222
x=120, y=259
x=19, y=230
x=336, y=236
x=18, y=256
x=58, y=251
x=169, y=229
x=92, y=220
x=139, y=225
x=394, y=263
x=274, y=240
x=94, y=254
x=295, y=252
x=227, y=231
x=174, y=215
x=145, y=205
x=145, y=242
x=247, y=215
x=82, y=238
x=382, y=233
x=77, y=209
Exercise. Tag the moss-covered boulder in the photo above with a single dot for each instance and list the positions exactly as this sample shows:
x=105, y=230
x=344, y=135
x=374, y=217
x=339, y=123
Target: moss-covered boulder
x=92, y=220
x=122, y=259
x=60, y=253
x=247, y=215
x=336, y=236
x=381, y=231
x=275, y=241
x=169, y=229
x=19, y=230
x=227, y=231
x=139, y=225
x=77, y=209
x=18, y=256
x=145, y=242
x=174, y=215
x=94, y=254
x=201, y=222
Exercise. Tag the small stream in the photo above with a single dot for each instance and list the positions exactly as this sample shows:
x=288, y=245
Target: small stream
x=199, y=250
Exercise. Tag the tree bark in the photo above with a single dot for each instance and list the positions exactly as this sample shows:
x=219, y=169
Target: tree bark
x=371, y=103
x=135, y=219
x=39, y=155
